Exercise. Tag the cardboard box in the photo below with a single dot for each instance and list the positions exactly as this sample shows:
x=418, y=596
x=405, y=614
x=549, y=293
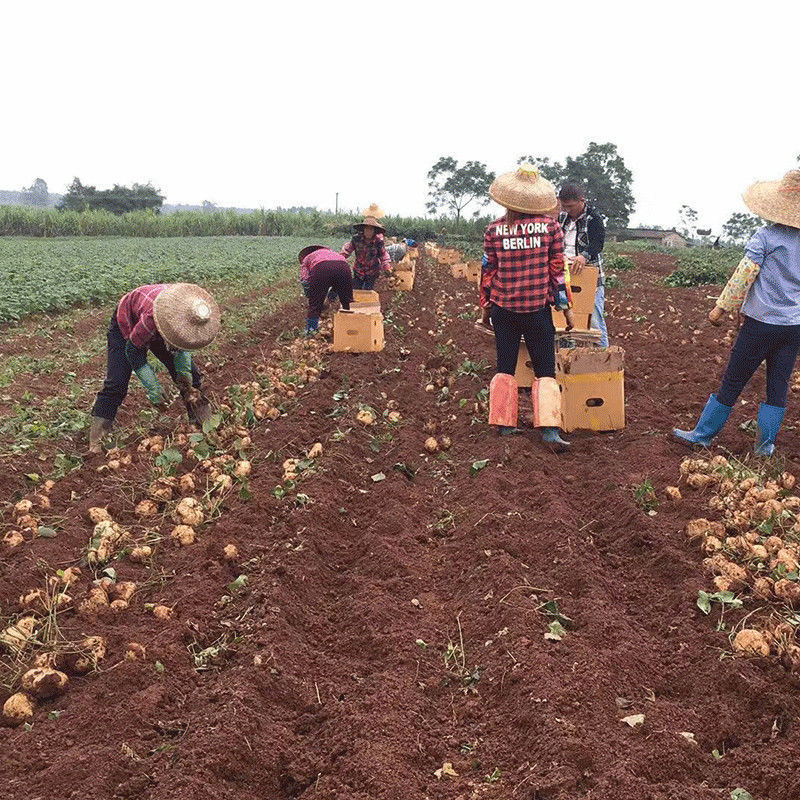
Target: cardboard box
x=473, y=272
x=357, y=333
x=404, y=281
x=459, y=270
x=584, y=289
x=583, y=322
x=404, y=265
x=593, y=401
x=524, y=371
x=587, y=360
x=366, y=296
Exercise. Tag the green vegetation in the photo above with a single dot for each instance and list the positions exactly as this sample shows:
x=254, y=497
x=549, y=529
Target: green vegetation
x=619, y=263
x=47, y=222
x=702, y=265
x=43, y=275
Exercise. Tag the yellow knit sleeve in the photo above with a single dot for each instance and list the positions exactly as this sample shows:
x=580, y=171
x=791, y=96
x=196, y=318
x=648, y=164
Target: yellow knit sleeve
x=738, y=285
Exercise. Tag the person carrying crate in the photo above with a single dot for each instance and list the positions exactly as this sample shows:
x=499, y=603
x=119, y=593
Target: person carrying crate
x=523, y=275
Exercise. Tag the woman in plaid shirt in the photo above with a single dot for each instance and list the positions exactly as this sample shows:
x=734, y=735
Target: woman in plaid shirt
x=370, y=251
x=523, y=275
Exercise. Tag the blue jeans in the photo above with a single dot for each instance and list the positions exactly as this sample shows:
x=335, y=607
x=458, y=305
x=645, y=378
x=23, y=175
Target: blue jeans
x=778, y=345
x=599, y=315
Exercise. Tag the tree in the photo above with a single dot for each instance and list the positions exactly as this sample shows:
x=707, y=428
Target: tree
x=741, y=226
x=38, y=194
x=209, y=206
x=688, y=217
x=77, y=196
x=453, y=187
x=117, y=200
x=602, y=174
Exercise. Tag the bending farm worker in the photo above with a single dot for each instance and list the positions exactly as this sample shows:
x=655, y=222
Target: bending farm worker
x=522, y=276
x=170, y=320
x=584, y=237
x=321, y=270
x=765, y=289
x=371, y=256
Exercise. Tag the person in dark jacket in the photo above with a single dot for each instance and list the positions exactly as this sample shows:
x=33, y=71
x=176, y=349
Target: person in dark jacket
x=584, y=237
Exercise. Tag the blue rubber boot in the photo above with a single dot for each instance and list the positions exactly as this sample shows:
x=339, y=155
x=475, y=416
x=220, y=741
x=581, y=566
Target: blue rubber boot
x=711, y=422
x=312, y=325
x=769, y=423
x=552, y=437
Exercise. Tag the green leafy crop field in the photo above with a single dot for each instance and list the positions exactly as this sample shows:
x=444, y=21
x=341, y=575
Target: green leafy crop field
x=44, y=275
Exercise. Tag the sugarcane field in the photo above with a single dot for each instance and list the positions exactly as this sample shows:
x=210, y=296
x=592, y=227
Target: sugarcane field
x=444, y=451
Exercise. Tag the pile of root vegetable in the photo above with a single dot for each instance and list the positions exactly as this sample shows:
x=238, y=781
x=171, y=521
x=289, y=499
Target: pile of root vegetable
x=752, y=550
x=182, y=482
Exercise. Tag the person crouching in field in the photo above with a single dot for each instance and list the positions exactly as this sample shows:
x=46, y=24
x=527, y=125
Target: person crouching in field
x=169, y=320
x=584, y=237
x=370, y=253
x=765, y=290
x=322, y=270
x=523, y=275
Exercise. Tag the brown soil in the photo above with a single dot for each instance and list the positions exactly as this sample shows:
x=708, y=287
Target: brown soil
x=337, y=684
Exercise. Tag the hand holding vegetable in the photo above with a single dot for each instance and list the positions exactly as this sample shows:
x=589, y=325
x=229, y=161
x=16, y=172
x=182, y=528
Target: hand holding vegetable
x=577, y=265
x=715, y=315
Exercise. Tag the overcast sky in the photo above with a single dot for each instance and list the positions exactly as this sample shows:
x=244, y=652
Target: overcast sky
x=267, y=104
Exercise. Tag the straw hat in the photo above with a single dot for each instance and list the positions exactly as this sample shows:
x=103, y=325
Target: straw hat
x=777, y=201
x=525, y=191
x=187, y=317
x=374, y=210
x=308, y=250
x=371, y=221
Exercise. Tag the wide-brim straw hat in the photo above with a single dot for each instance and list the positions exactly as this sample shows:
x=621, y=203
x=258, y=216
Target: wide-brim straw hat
x=525, y=190
x=187, y=317
x=777, y=201
x=371, y=222
x=306, y=251
x=374, y=210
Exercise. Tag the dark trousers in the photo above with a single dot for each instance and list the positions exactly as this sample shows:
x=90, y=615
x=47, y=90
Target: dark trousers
x=325, y=276
x=365, y=282
x=539, y=332
x=778, y=345
x=118, y=371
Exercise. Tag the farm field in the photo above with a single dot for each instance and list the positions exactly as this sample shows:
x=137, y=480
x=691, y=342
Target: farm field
x=366, y=619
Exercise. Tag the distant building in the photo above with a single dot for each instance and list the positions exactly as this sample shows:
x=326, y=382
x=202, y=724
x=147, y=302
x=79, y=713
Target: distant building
x=665, y=238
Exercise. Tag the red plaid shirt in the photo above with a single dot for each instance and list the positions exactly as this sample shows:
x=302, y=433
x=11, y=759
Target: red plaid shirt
x=135, y=314
x=524, y=263
x=371, y=255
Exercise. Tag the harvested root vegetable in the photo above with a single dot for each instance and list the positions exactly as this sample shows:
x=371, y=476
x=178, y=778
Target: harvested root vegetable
x=23, y=507
x=394, y=416
x=673, y=493
x=762, y=587
x=13, y=539
x=186, y=484
x=786, y=559
x=15, y=637
x=145, y=509
x=698, y=480
x=431, y=445
x=696, y=528
x=98, y=514
x=184, y=534
x=43, y=682
x=42, y=501
x=315, y=451
x=161, y=494
x=222, y=484
x=365, y=417
x=773, y=544
x=18, y=708
x=122, y=590
x=759, y=552
x=96, y=602
x=750, y=642
x=231, y=552
x=788, y=591
x=135, y=652
x=243, y=467
x=162, y=612
x=788, y=481
x=445, y=442
x=118, y=606
x=141, y=553
x=188, y=512
x=711, y=545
